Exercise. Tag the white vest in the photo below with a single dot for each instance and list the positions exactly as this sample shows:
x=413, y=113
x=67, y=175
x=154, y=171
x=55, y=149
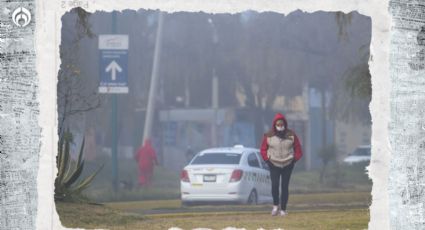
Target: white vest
x=280, y=151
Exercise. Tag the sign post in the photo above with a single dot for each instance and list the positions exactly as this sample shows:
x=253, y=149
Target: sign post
x=114, y=80
x=113, y=63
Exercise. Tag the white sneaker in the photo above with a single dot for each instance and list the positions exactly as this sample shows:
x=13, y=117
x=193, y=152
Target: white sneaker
x=282, y=213
x=275, y=211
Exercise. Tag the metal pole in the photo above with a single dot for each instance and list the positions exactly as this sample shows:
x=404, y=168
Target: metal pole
x=324, y=125
x=214, y=98
x=215, y=108
x=114, y=122
x=154, y=80
x=307, y=146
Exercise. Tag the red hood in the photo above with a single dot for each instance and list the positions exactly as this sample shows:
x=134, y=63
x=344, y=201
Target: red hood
x=279, y=116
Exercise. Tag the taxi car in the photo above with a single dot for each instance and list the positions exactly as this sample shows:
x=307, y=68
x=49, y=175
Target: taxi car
x=234, y=174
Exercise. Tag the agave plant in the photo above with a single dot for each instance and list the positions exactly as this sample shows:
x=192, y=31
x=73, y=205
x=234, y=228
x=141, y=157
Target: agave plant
x=69, y=171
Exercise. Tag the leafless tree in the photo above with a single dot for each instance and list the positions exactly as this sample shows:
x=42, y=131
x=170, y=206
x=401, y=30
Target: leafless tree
x=74, y=95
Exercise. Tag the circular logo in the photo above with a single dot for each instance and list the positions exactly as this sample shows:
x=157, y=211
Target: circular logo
x=21, y=17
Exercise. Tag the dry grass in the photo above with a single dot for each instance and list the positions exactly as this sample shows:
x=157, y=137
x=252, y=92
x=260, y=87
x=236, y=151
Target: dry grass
x=115, y=215
x=92, y=216
x=340, y=199
x=348, y=219
x=89, y=216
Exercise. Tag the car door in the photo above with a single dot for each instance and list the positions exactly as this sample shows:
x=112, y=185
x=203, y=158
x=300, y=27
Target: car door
x=265, y=175
x=256, y=174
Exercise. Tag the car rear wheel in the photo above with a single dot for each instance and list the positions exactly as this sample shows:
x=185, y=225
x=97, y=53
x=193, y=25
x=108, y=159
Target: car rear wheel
x=252, y=198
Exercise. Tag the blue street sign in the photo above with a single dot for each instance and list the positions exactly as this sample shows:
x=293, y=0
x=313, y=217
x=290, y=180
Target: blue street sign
x=113, y=63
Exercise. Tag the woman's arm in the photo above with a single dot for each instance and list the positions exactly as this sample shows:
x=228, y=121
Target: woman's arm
x=298, y=153
x=263, y=148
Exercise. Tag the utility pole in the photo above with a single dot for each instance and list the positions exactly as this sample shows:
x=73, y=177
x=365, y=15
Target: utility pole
x=324, y=117
x=186, y=92
x=114, y=122
x=215, y=108
x=307, y=148
x=214, y=98
x=147, y=132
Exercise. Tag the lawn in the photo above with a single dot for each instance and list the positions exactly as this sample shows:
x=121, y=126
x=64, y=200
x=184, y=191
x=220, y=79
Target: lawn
x=296, y=202
x=97, y=216
x=312, y=204
x=166, y=184
x=307, y=211
x=342, y=219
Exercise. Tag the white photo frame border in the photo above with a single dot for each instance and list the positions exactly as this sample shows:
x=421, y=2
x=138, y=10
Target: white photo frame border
x=48, y=37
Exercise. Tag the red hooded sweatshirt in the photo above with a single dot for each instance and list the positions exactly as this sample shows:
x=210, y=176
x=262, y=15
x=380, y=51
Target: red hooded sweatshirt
x=264, y=146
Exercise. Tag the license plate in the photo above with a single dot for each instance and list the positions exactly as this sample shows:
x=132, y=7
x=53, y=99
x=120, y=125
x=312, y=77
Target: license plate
x=209, y=178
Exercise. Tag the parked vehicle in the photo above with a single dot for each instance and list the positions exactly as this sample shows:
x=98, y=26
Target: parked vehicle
x=235, y=174
x=361, y=154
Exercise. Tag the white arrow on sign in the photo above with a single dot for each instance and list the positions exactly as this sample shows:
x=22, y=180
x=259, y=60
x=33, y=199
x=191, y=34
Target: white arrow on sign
x=113, y=67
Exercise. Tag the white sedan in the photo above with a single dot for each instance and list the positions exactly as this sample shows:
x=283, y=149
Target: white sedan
x=360, y=154
x=236, y=174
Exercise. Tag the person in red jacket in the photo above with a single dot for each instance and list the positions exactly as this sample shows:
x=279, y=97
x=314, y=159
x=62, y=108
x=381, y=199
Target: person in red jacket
x=280, y=149
x=146, y=158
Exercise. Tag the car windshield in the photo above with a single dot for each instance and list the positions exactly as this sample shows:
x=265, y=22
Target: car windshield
x=217, y=158
x=361, y=152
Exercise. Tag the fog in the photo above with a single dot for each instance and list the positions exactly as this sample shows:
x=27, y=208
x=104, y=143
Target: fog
x=262, y=63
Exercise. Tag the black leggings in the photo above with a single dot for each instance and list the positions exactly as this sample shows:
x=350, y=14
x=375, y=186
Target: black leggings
x=284, y=174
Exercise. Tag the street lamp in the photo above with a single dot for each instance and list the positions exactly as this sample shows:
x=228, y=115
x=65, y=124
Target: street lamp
x=214, y=101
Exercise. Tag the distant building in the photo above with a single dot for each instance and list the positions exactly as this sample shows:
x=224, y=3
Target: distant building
x=194, y=127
